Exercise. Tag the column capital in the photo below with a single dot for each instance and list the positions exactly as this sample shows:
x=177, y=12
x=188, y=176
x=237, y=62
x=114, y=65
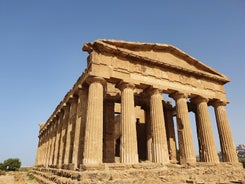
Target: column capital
x=152, y=91
x=199, y=99
x=60, y=112
x=122, y=85
x=217, y=103
x=81, y=91
x=65, y=106
x=100, y=80
x=177, y=95
x=72, y=98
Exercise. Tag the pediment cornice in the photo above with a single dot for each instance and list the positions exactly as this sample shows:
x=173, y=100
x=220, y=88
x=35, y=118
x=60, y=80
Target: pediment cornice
x=134, y=50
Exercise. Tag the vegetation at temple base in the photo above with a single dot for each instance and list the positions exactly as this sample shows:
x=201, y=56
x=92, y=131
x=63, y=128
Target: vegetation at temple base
x=11, y=164
x=243, y=162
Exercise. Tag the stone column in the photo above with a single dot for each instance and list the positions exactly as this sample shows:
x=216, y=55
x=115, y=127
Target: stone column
x=186, y=145
x=47, y=141
x=38, y=154
x=169, y=123
x=201, y=157
x=43, y=148
x=128, y=142
x=52, y=145
x=109, y=129
x=64, y=122
x=148, y=132
x=94, y=123
x=70, y=133
x=205, y=131
x=226, y=141
x=80, y=127
x=58, y=138
x=48, y=145
x=159, y=140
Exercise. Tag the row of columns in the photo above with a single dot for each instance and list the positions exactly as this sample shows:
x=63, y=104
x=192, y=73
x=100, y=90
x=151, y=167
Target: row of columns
x=75, y=135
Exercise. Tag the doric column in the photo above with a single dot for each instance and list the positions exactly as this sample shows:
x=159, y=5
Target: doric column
x=38, y=154
x=48, y=145
x=201, y=158
x=186, y=145
x=169, y=124
x=128, y=142
x=94, y=123
x=70, y=131
x=206, y=137
x=226, y=141
x=148, y=132
x=58, y=137
x=109, y=129
x=80, y=127
x=159, y=140
x=52, y=145
x=43, y=147
x=64, y=122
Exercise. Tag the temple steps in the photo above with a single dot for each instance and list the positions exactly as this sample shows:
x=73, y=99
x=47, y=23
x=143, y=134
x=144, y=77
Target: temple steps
x=143, y=173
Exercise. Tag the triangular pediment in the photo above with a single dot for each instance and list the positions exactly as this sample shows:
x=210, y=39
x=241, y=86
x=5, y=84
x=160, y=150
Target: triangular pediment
x=160, y=54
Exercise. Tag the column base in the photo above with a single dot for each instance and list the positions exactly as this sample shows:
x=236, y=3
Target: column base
x=92, y=167
x=69, y=166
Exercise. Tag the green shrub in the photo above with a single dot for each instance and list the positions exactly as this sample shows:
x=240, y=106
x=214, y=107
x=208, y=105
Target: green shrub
x=243, y=162
x=2, y=168
x=12, y=164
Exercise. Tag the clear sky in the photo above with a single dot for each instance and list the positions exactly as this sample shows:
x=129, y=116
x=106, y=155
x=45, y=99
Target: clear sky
x=41, y=57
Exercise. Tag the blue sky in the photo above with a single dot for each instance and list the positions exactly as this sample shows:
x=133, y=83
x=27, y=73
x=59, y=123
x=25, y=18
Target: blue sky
x=41, y=57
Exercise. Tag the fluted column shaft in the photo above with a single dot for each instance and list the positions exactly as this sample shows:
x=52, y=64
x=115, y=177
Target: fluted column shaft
x=48, y=145
x=80, y=125
x=169, y=123
x=148, y=132
x=70, y=131
x=52, y=146
x=64, y=122
x=38, y=154
x=186, y=145
x=128, y=146
x=159, y=141
x=205, y=131
x=226, y=141
x=43, y=147
x=94, y=123
x=57, y=140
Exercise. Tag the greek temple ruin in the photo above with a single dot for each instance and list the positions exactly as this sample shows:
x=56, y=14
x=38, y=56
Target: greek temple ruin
x=116, y=111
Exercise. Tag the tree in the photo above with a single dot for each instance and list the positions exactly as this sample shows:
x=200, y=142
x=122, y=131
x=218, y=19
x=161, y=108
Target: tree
x=12, y=164
x=2, y=167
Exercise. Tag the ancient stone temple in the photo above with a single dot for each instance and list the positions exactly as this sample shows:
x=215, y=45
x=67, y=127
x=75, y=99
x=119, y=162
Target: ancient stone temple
x=115, y=112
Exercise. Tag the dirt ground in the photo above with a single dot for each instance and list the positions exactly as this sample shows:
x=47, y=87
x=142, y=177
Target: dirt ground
x=17, y=178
